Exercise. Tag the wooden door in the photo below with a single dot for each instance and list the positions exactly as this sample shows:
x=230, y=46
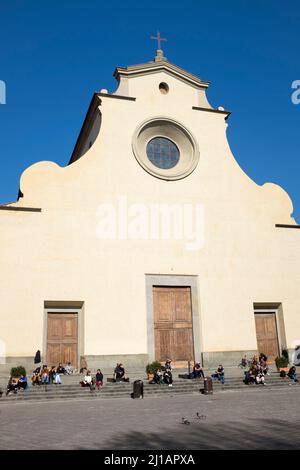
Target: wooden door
x=266, y=333
x=62, y=338
x=173, y=328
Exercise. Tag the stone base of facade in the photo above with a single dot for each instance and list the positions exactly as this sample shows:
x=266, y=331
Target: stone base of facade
x=226, y=358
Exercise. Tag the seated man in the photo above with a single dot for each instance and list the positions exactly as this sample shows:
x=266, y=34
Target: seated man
x=86, y=382
x=168, y=365
x=119, y=374
x=219, y=374
x=60, y=369
x=22, y=383
x=292, y=374
x=197, y=371
x=52, y=375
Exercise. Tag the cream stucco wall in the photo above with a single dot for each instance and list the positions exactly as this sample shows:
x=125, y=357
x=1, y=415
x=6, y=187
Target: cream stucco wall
x=56, y=254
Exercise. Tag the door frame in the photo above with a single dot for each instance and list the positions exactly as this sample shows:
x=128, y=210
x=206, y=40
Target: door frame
x=66, y=310
x=258, y=311
x=173, y=280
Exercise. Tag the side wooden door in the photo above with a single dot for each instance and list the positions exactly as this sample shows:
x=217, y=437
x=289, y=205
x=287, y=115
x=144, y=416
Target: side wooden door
x=62, y=338
x=266, y=333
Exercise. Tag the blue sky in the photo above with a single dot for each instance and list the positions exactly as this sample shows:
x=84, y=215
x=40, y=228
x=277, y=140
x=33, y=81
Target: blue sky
x=55, y=54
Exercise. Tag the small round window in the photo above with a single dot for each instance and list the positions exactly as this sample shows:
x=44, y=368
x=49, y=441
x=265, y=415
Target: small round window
x=163, y=153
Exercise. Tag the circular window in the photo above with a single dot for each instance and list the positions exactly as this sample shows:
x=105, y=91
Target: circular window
x=163, y=88
x=165, y=148
x=163, y=153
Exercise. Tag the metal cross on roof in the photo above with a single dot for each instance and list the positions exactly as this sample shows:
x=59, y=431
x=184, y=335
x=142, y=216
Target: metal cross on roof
x=158, y=38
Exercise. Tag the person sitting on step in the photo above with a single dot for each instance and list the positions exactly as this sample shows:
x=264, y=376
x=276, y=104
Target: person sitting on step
x=22, y=382
x=69, y=369
x=168, y=379
x=197, y=371
x=263, y=363
x=168, y=365
x=45, y=375
x=60, y=369
x=249, y=377
x=52, y=374
x=86, y=382
x=158, y=377
x=292, y=374
x=12, y=385
x=260, y=376
x=219, y=374
x=119, y=374
x=99, y=379
x=36, y=377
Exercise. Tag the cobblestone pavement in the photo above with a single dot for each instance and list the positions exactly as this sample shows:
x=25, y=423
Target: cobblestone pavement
x=256, y=419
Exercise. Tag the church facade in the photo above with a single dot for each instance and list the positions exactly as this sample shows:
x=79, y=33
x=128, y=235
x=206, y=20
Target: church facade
x=151, y=243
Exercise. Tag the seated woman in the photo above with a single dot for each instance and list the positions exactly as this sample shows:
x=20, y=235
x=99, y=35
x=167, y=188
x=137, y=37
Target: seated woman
x=99, y=379
x=22, y=383
x=219, y=374
x=86, y=382
x=45, y=375
x=167, y=377
x=249, y=377
x=36, y=377
x=69, y=369
x=197, y=371
x=292, y=374
x=119, y=374
x=158, y=377
x=260, y=377
x=12, y=385
x=168, y=364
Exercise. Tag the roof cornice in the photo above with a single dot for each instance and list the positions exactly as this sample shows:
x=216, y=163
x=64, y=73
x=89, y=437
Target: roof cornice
x=158, y=66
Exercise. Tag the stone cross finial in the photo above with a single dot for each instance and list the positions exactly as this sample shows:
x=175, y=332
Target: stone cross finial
x=158, y=38
x=159, y=52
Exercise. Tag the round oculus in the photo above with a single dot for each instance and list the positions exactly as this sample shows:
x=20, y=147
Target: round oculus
x=162, y=153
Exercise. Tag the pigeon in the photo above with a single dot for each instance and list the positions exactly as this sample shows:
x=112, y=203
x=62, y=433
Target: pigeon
x=185, y=421
x=200, y=416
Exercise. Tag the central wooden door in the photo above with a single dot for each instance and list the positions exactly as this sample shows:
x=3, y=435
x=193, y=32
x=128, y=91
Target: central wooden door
x=266, y=333
x=173, y=327
x=62, y=338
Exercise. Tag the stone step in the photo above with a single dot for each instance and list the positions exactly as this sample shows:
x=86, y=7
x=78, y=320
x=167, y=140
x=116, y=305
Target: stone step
x=125, y=390
x=100, y=395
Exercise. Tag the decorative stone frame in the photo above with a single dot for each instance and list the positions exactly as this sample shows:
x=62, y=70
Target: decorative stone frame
x=173, y=281
x=177, y=133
